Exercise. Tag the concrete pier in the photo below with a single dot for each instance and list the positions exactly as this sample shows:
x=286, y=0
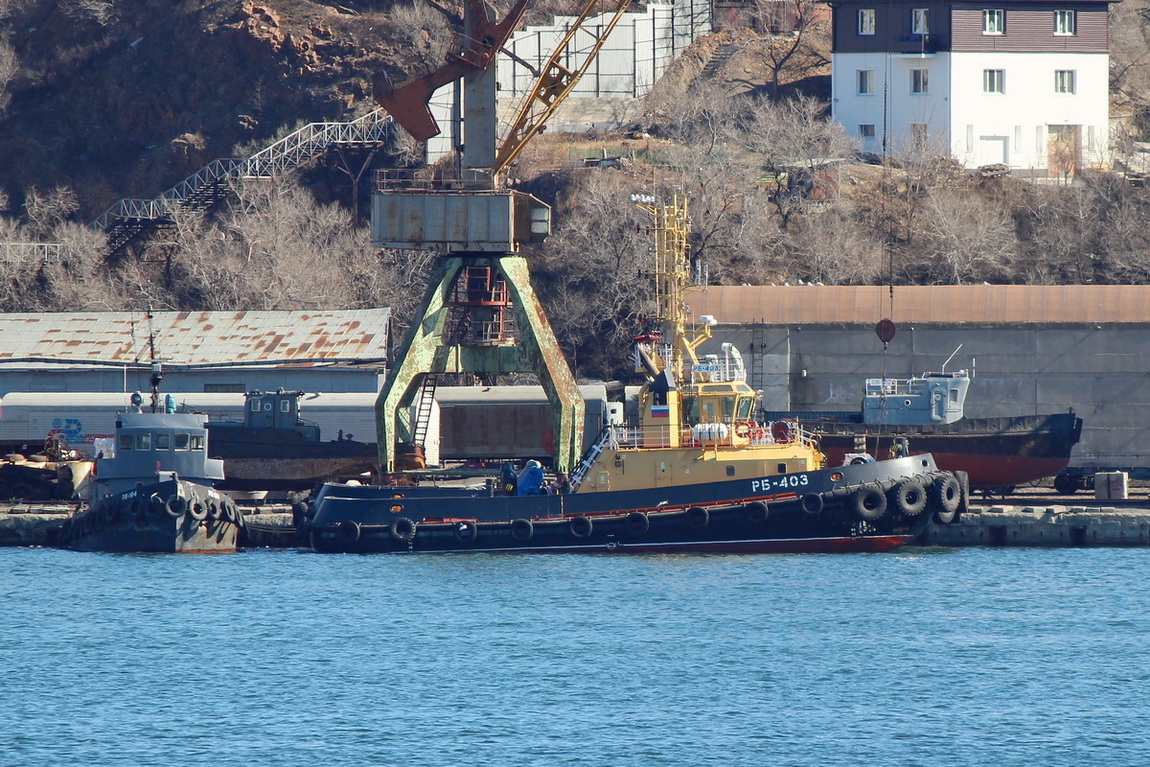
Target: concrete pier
x=1045, y=526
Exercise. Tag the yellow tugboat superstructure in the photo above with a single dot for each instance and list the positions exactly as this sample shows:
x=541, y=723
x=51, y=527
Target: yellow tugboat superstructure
x=696, y=416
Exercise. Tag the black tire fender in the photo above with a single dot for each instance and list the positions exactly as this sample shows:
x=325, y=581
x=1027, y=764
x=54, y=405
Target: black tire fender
x=466, y=531
x=198, y=512
x=757, y=511
x=698, y=517
x=638, y=523
x=868, y=503
x=908, y=497
x=348, y=531
x=946, y=493
x=176, y=506
x=812, y=503
x=581, y=527
x=522, y=530
x=404, y=529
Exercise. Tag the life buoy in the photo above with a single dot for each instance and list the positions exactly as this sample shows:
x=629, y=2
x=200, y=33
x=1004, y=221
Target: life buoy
x=698, y=517
x=743, y=429
x=466, y=531
x=757, y=511
x=198, y=512
x=522, y=529
x=812, y=503
x=908, y=497
x=869, y=503
x=581, y=527
x=403, y=529
x=348, y=531
x=781, y=432
x=638, y=523
x=176, y=506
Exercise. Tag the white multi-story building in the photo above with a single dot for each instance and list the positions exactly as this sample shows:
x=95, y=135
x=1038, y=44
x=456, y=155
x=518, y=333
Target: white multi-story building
x=1024, y=83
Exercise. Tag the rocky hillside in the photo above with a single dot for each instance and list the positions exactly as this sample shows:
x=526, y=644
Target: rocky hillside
x=123, y=98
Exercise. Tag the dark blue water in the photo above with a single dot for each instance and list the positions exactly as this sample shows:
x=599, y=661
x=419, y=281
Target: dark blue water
x=939, y=657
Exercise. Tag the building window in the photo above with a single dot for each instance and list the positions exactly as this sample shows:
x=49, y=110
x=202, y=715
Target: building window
x=918, y=22
x=994, y=81
x=866, y=131
x=993, y=22
x=866, y=82
x=920, y=81
x=1064, y=81
x=866, y=21
x=1065, y=23
x=918, y=136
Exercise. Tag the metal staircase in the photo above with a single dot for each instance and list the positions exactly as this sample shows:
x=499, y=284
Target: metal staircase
x=423, y=409
x=129, y=218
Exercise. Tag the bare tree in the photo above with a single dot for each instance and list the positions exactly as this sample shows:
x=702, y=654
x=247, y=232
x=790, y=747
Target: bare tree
x=43, y=211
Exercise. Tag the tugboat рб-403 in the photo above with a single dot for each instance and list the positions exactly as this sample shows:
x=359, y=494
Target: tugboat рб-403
x=694, y=472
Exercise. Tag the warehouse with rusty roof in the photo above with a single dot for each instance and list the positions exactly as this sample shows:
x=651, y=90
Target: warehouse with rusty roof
x=220, y=351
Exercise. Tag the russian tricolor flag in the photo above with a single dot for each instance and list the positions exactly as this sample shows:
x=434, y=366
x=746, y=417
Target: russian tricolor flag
x=660, y=411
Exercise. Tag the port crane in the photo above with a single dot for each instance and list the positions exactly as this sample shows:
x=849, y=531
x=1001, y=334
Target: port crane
x=480, y=314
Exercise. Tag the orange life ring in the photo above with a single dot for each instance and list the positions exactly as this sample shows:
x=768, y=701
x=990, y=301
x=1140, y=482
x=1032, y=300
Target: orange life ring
x=743, y=429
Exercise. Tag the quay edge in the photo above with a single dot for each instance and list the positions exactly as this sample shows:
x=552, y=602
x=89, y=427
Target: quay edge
x=994, y=526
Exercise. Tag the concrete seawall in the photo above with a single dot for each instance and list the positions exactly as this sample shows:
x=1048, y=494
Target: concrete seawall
x=982, y=526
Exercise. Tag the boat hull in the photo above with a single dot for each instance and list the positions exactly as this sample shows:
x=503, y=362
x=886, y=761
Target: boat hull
x=996, y=453
x=147, y=519
x=282, y=459
x=814, y=511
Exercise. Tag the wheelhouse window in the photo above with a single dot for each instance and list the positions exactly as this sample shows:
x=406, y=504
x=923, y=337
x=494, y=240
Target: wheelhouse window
x=866, y=131
x=920, y=81
x=919, y=25
x=993, y=22
x=180, y=442
x=866, y=82
x=126, y=442
x=1065, y=23
x=1064, y=81
x=197, y=441
x=866, y=21
x=163, y=441
x=994, y=81
x=143, y=441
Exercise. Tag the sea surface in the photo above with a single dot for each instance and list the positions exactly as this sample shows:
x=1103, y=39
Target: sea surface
x=932, y=657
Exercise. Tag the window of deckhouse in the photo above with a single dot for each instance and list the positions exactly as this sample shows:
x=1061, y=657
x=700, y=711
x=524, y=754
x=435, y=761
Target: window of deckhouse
x=866, y=21
x=993, y=22
x=1065, y=23
x=918, y=22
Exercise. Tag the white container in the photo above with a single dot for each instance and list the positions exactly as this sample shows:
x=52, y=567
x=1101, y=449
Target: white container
x=1111, y=486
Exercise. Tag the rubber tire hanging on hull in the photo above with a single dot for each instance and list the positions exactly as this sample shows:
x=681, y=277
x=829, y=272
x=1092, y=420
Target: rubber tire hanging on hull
x=812, y=503
x=869, y=503
x=522, y=530
x=946, y=493
x=466, y=531
x=348, y=531
x=638, y=523
x=908, y=497
x=698, y=517
x=581, y=527
x=757, y=511
x=403, y=530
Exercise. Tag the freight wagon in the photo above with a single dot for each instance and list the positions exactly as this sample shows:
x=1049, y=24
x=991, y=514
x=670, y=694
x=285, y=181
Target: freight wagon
x=470, y=423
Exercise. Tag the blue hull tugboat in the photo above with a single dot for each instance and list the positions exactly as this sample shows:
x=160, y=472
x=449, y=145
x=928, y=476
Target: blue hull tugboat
x=691, y=471
x=153, y=490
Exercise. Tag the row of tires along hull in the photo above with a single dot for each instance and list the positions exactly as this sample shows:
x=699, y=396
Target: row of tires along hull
x=881, y=508
x=181, y=518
